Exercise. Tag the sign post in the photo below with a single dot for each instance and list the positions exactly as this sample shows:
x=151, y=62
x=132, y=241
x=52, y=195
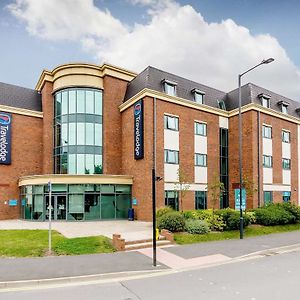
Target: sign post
x=50, y=217
x=237, y=199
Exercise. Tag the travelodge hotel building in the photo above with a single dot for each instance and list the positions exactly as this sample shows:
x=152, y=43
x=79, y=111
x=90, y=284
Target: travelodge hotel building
x=92, y=131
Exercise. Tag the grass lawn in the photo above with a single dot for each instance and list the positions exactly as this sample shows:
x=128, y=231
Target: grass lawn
x=30, y=243
x=252, y=230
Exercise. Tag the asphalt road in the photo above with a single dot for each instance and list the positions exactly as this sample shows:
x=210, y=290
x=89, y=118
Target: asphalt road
x=271, y=277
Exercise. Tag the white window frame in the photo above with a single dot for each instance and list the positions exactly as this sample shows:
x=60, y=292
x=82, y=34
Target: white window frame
x=171, y=157
x=198, y=131
x=266, y=101
x=168, y=123
x=267, y=161
x=285, y=134
x=286, y=163
x=200, y=160
x=265, y=130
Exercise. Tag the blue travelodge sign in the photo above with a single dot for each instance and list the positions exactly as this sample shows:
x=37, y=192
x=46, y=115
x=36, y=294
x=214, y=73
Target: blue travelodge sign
x=139, y=130
x=5, y=138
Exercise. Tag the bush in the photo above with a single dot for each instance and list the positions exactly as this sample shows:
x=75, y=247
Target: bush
x=274, y=214
x=233, y=222
x=163, y=210
x=215, y=222
x=252, y=217
x=172, y=221
x=231, y=218
x=292, y=208
x=196, y=227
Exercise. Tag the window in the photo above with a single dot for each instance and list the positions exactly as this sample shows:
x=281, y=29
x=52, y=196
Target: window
x=200, y=128
x=171, y=122
x=267, y=132
x=221, y=104
x=267, y=161
x=169, y=87
x=198, y=96
x=284, y=109
x=78, y=131
x=200, y=200
x=171, y=157
x=265, y=102
x=171, y=199
x=200, y=160
x=286, y=164
x=286, y=136
x=268, y=197
x=286, y=196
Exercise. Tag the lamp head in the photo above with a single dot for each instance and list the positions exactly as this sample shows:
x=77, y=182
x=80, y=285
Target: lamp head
x=267, y=61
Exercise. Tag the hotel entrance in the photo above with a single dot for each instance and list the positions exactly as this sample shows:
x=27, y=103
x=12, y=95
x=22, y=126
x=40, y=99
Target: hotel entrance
x=59, y=207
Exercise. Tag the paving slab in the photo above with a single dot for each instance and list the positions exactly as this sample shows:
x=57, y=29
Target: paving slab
x=130, y=230
x=71, y=266
x=236, y=248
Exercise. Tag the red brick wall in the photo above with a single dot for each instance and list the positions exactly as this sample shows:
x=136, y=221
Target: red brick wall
x=114, y=92
x=277, y=126
x=47, y=138
x=26, y=158
x=141, y=169
x=250, y=155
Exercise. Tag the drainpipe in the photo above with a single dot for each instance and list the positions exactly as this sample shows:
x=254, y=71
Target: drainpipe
x=258, y=159
x=154, y=185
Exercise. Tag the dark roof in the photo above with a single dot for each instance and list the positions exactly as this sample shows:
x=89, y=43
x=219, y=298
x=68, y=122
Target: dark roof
x=250, y=94
x=16, y=96
x=152, y=78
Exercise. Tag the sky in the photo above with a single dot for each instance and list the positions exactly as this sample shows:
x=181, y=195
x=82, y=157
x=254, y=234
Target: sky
x=208, y=41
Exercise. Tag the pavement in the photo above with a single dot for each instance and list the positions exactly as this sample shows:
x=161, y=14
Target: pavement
x=169, y=258
x=129, y=230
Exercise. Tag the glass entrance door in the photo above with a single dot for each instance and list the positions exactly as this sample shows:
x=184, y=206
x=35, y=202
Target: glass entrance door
x=58, y=211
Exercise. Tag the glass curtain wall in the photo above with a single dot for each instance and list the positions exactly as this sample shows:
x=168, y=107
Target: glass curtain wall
x=224, y=201
x=78, y=131
x=76, y=202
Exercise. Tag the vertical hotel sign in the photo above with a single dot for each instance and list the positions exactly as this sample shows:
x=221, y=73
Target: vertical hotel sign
x=5, y=138
x=139, y=130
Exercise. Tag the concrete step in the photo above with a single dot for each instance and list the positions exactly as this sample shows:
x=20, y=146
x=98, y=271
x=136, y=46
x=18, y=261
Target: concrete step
x=161, y=238
x=137, y=246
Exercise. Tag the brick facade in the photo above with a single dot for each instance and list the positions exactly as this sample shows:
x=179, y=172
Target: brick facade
x=26, y=156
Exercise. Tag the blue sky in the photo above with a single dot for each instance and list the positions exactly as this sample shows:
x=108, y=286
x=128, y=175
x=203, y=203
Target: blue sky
x=168, y=35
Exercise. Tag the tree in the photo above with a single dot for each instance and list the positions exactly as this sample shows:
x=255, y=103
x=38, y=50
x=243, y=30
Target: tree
x=181, y=187
x=215, y=190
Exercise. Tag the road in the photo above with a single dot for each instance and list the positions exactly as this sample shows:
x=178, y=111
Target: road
x=270, y=277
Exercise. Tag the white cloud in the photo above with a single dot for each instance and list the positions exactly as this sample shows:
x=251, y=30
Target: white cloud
x=66, y=19
x=176, y=39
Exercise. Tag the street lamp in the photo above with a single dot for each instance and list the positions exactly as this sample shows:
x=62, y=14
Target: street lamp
x=265, y=61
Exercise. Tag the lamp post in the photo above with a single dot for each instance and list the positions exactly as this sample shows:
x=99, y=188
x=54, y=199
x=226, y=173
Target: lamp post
x=265, y=61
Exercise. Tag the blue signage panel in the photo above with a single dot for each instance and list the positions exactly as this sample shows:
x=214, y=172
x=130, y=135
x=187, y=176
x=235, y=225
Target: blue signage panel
x=134, y=201
x=139, y=130
x=237, y=199
x=5, y=138
x=12, y=202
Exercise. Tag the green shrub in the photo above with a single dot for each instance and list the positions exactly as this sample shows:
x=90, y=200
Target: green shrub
x=172, y=221
x=231, y=218
x=273, y=214
x=190, y=214
x=292, y=208
x=163, y=210
x=196, y=227
x=233, y=222
x=215, y=222
x=252, y=217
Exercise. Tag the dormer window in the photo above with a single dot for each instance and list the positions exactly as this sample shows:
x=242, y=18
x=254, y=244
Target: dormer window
x=221, y=104
x=265, y=100
x=169, y=87
x=284, y=106
x=198, y=96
